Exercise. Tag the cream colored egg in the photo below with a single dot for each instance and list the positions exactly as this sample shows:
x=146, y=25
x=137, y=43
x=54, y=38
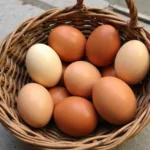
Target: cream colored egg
x=43, y=65
x=132, y=62
x=35, y=105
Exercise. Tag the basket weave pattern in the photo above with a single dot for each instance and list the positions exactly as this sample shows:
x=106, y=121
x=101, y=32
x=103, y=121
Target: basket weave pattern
x=13, y=76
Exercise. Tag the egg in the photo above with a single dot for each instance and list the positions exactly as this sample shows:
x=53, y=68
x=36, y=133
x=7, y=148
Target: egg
x=58, y=94
x=64, y=66
x=75, y=116
x=35, y=105
x=103, y=45
x=114, y=100
x=43, y=65
x=80, y=78
x=108, y=71
x=132, y=62
x=68, y=42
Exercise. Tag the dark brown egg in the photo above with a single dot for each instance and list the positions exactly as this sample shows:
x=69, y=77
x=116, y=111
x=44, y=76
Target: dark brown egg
x=108, y=71
x=75, y=116
x=103, y=45
x=58, y=94
x=68, y=42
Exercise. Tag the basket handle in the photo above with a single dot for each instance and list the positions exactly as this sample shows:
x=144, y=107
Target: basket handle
x=132, y=7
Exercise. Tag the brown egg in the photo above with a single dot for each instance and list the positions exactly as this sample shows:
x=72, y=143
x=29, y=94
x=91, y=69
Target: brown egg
x=103, y=45
x=58, y=94
x=75, y=116
x=68, y=42
x=35, y=105
x=80, y=78
x=64, y=66
x=114, y=100
x=108, y=71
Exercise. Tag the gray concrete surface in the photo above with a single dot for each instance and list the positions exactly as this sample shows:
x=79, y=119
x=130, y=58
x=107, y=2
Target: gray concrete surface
x=12, y=13
x=143, y=6
x=65, y=3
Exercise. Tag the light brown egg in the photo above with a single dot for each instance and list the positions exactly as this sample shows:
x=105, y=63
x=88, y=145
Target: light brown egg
x=80, y=78
x=68, y=42
x=103, y=45
x=114, y=100
x=132, y=62
x=108, y=71
x=75, y=116
x=35, y=105
x=58, y=94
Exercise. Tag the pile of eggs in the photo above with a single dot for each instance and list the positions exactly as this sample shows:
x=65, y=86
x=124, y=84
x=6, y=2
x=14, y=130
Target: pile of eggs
x=79, y=82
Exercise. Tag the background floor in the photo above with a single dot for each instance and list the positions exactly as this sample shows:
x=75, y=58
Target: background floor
x=143, y=6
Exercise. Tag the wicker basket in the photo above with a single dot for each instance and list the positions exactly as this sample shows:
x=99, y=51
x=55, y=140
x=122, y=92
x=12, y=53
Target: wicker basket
x=13, y=76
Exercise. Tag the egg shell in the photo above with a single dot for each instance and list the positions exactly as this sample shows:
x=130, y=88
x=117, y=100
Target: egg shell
x=114, y=100
x=108, y=71
x=58, y=94
x=132, y=62
x=103, y=45
x=75, y=116
x=35, y=105
x=68, y=42
x=80, y=78
x=64, y=66
x=43, y=65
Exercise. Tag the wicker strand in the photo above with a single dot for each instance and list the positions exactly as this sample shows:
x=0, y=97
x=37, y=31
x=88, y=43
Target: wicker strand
x=132, y=7
x=133, y=12
x=79, y=3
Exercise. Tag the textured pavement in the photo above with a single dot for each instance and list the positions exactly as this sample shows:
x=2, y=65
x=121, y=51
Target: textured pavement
x=12, y=13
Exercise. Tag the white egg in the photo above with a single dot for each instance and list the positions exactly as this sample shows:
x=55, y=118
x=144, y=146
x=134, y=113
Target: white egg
x=43, y=65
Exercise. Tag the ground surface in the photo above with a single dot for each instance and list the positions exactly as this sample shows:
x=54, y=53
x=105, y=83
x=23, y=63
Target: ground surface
x=13, y=12
x=143, y=6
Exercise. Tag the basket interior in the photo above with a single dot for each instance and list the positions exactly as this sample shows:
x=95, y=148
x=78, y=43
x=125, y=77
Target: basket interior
x=14, y=76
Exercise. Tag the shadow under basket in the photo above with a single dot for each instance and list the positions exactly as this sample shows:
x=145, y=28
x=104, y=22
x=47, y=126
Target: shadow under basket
x=13, y=76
